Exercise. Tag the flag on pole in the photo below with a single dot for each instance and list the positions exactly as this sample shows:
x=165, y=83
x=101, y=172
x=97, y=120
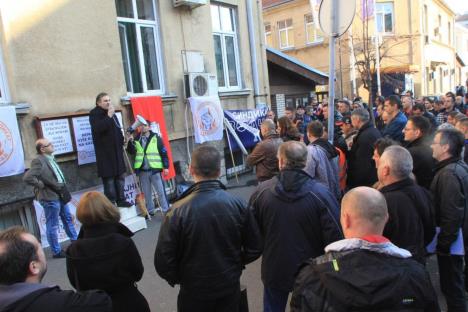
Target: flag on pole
x=11, y=148
x=207, y=118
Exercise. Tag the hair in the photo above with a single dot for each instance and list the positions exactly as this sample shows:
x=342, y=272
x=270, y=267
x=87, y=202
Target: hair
x=399, y=160
x=39, y=145
x=362, y=114
x=419, y=106
x=345, y=102
x=294, y=154
x=269, y=125
x=16, y=254
x=463, y=121
x=429, y=99
x=410, y=92
x=421, y=123
x=394, y=100
x=382, y=143
x=453, y=114
x=100, y=96
x=453, y=138
x=206, y=161
x=315, y=129
x=285, y=124
x=368, y=204
x=94, y=207
x=380, y=99
x=450, y=95
x=289, y=109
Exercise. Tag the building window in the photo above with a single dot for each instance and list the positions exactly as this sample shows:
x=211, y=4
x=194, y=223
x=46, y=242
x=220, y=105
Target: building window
x=312, y=34
x=384, y=17
x=268, y=38
x=140, y=46
x=286, y=34
x=223, y=20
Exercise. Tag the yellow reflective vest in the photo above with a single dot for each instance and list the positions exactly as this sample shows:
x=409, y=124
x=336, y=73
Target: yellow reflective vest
x=152, y=154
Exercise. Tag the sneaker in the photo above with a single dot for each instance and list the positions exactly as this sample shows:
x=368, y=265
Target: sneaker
x=60, y=255
x=124, y=204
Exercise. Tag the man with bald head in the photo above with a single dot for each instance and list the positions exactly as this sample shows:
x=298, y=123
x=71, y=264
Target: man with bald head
x=298, y=217
x=364, y=271
x=263, y=157
x=411, y=223
x=50, y=189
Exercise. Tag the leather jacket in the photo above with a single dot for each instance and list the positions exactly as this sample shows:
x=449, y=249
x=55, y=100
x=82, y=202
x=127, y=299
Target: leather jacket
x=205, y=240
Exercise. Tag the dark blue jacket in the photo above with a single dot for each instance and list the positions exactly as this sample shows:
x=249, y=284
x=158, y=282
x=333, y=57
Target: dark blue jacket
x=395, y=128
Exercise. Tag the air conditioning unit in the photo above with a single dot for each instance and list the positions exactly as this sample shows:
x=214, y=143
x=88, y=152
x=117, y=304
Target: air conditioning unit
x=189, y=3
x=200, y=84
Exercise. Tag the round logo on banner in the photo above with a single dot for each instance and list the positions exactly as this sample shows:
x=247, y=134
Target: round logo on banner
x=208, y=118
x=6, y=143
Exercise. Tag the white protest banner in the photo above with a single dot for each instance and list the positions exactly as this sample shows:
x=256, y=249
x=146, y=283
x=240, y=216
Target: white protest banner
x=58, y=132
x=11, y=149
x=84, y=140
x=130, y=194
x=207, y=118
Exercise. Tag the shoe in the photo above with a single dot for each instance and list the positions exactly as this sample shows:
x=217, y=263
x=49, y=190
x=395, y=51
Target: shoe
x=152, y=213
x=124, y=204
x=60, y=255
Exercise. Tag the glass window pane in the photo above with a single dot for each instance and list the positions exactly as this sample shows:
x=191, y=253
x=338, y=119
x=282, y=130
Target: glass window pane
x=290, y=37
x=128, y=44
x=289, y=22
x=309, y=18
x=215, y=18
x=379, y=23
x=124, y=8
x=231, y=60
x=283, y=41
x=150, y=58
x=226, y=19
x=388, y=23
x=269, y=40
x=281, y=24
x=219, y=60
x=145, y=9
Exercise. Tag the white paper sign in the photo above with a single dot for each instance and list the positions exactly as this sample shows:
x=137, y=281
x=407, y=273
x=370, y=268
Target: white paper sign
x=130, y=194
x=83, y=140
x=58, y=132
x=207, y=118
x=11, y=149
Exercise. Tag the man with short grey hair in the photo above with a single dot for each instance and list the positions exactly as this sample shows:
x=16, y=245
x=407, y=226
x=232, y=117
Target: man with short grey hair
x=297, y=217
x=361, y=166
x=263, y=156
x=411, y=219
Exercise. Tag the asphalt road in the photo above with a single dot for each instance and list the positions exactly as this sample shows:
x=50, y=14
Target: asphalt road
x=161, y=296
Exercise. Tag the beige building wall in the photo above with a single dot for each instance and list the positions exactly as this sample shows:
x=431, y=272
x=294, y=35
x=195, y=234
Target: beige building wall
x=59, y=54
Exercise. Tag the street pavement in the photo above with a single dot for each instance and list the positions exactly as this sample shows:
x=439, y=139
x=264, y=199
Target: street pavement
x=161, y=296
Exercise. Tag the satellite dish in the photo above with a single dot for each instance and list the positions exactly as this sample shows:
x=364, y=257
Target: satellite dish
x=342, y=16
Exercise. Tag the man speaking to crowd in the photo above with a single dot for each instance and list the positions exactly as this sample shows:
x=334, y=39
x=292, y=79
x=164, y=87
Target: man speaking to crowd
x=108, y=143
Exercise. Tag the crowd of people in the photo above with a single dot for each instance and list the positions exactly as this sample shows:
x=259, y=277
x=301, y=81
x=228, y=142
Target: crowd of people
x=341, y=224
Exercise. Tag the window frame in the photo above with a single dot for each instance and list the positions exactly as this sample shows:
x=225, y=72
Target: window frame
x=316, y=36
x=380, y=14
x=223, y=34
x=287, y=30
x=267, y=33
x=139, y=24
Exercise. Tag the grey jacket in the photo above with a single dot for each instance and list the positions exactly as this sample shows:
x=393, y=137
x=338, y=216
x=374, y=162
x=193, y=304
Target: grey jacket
x=42, y=177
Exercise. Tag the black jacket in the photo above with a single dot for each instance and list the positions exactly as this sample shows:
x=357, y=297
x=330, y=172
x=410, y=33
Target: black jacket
x=27, y=297
x=362, y=280
x=108, y=143
x=450, y=191
x=205, y=240
x=105, y=257
x=361, y=166
x=298, y=217
x=423, y=163
x=411, y=223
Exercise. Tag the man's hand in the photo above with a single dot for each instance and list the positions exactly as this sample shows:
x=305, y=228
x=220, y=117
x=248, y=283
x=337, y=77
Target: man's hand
x=165, y=172
x=111, y=111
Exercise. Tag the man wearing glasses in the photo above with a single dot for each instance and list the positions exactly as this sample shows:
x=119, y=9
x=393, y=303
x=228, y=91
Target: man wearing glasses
x=450, y=191
x=50, y=189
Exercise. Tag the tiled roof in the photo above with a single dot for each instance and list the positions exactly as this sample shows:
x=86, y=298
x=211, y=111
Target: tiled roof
x=271, y=3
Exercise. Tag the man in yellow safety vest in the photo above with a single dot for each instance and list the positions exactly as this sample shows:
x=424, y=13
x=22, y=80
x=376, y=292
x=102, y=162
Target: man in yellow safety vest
x=150, y=160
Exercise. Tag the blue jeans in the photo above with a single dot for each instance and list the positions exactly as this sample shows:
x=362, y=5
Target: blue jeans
x=452, y=281
x=154, y=179
x=54, y=209
x=274, y=300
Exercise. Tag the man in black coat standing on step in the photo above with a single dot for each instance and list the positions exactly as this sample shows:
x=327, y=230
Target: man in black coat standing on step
x=298, y=217
x=361, y=166
x=108, y=144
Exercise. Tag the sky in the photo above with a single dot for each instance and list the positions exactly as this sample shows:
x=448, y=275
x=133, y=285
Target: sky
x=458, y=6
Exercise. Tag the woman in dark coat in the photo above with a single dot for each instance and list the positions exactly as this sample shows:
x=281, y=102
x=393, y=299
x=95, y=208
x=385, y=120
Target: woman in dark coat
x=287, y=131
x=104, y=256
